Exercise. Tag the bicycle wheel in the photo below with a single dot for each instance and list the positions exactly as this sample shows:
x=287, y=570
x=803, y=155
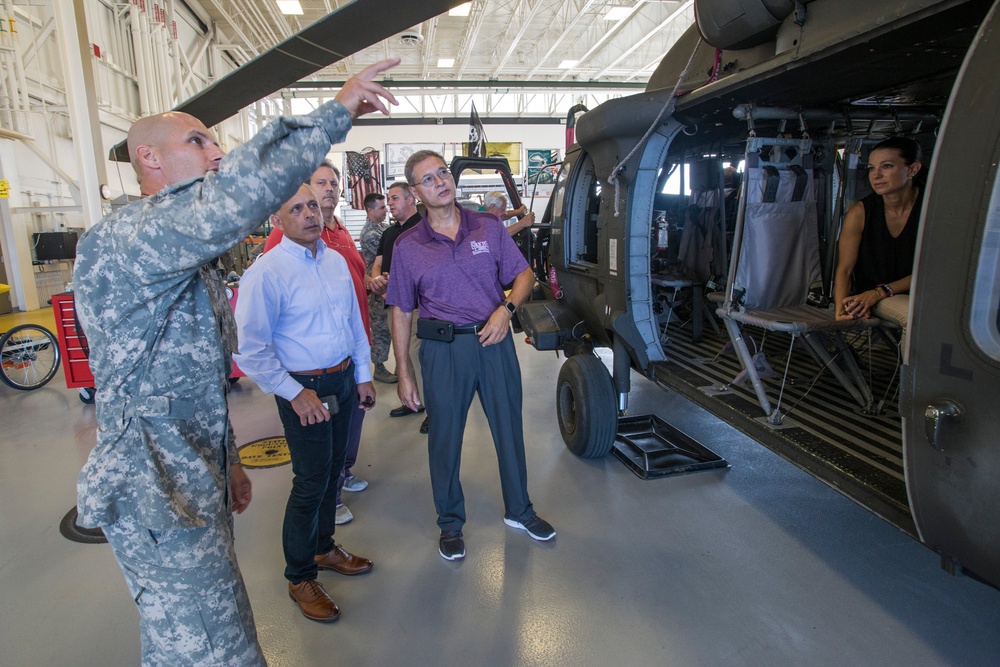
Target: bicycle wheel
x=29, y=357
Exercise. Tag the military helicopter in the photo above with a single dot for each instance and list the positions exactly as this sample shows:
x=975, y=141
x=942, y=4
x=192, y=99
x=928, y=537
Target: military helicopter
x=800, y=87
x=659, y=252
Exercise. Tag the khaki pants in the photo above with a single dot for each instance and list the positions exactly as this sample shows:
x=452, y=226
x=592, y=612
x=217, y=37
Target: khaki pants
x=895, y=309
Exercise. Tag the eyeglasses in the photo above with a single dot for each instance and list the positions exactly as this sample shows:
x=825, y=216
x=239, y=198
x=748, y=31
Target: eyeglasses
x=441, y=174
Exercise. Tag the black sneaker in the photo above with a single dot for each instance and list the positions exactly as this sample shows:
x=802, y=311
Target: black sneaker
x=536, y=526
x=451, y=546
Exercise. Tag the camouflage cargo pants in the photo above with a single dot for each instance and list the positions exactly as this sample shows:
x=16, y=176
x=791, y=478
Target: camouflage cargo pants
x=381, y=338
x=189, y=591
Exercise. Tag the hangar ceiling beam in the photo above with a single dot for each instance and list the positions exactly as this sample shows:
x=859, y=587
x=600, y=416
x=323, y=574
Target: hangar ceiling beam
x=576, y=15
x=239, y=26
x=606, y=37
x=526, y=18
x=199, y=50
x=680, y=12
x=476, y=21
x=279, y=19
x=426, y=47
x=32, y=50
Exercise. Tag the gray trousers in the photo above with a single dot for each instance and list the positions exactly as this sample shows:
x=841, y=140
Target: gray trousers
x=378, y=316
x=452, y=373
x=187, y=585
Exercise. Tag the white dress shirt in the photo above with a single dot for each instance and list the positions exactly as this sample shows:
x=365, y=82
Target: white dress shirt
x=296, y=312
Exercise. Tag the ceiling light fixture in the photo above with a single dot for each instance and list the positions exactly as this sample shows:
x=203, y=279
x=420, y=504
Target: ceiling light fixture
x=446, y=62
x=568, y=64
x=461, y=10
x=618, y=13
x=290, y=7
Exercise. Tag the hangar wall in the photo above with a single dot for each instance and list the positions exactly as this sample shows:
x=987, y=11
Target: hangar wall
x=137, y=71
x=41, y=162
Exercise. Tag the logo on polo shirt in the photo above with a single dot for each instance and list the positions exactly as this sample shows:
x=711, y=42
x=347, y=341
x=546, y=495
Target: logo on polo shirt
x=479, y=247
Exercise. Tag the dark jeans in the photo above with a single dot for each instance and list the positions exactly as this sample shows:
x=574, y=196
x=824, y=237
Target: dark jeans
x=353, y=445
x=318, y=452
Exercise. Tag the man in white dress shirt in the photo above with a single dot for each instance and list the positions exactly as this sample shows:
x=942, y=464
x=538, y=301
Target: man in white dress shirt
x=302, y=339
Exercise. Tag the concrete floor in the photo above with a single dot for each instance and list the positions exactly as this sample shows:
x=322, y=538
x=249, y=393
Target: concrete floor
x=756, y=565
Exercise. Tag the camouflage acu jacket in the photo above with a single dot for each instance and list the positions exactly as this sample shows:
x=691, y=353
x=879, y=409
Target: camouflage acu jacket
x=157, y=359
x=371, y=234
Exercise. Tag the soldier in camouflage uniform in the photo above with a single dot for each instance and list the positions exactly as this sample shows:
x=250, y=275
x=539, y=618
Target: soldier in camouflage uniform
x=163, y=475
x=371, y=234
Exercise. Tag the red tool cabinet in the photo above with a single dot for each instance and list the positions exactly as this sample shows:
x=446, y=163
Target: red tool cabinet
x=76, y=365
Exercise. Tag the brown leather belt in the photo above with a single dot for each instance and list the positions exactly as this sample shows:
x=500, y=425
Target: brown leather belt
x=325, y=371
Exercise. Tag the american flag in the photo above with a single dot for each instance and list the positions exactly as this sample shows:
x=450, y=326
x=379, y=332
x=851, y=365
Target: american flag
x=363, y=175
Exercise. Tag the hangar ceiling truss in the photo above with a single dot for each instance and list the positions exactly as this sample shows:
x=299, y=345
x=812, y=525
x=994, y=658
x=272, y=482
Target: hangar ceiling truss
x=516, y=41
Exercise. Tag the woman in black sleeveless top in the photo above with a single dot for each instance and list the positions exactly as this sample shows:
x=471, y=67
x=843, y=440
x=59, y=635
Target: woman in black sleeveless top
x=879, y=237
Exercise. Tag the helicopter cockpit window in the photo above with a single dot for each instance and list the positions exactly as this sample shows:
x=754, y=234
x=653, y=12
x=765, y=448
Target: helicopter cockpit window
x=984, y=321
x=675, y=180
x=582, y=209
x=560, y=188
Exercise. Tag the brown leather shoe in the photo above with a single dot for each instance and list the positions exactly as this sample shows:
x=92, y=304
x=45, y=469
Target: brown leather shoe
x=314, y=601
x=341, y=561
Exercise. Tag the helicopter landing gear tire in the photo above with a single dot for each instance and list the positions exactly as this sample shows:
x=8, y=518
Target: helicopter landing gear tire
x=586, y=408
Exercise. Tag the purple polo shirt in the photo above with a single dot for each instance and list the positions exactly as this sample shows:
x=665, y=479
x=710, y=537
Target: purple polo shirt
x=460, y=281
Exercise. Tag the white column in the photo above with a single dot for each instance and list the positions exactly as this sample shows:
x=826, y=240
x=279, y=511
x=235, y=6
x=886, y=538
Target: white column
x=141, y=76
x=16, y=241
x=78, y=72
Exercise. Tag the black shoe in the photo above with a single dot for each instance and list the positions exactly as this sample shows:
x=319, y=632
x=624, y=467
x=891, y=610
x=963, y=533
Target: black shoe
x=451, y=545
x=402, y=411
x=425, y=425
x=537, y=527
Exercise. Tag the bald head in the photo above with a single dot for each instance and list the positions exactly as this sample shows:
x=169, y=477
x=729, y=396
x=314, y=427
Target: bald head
x=169, y=148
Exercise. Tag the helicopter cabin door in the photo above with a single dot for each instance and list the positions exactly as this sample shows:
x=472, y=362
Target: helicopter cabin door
x=951, y=390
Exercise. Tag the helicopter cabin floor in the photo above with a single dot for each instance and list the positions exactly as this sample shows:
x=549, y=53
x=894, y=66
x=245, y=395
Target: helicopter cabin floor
x=823, y=429
x=757, y=564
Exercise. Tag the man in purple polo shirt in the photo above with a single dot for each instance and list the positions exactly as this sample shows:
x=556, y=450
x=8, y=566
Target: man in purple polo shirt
x=451, y=267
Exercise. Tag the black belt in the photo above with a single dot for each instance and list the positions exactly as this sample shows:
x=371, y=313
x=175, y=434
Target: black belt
x=469, y=328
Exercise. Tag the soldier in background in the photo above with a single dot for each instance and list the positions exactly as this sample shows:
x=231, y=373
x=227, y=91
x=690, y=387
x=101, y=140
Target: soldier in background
x=163, y=477
x=371, y=236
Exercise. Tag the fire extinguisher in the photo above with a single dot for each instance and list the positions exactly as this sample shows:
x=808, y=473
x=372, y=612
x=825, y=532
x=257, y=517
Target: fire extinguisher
x=662, y=233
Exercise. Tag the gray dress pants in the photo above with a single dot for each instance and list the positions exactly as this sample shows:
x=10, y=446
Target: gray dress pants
x=453, y=373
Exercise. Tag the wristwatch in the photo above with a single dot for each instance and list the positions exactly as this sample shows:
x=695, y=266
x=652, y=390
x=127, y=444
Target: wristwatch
x=511, y=308
x=885, y=289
